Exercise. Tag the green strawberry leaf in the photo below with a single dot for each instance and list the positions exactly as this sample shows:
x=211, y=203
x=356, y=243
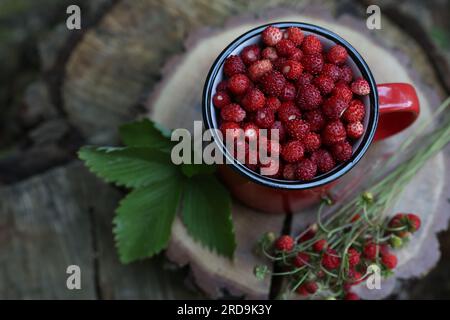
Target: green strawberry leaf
x=145, y=133
x=190, y=170
x=207, y=214
x=144, y=220
x=130, y=167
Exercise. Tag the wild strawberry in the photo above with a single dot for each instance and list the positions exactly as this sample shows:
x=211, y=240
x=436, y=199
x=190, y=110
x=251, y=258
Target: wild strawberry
x=259, y=68
x=334, y=132
x=295, y=35
x=337, y=54
x=306, y=170
x=285, y=48
x=222, y=86
x=341, y=151
x=250, y=54
x=355, y=277
x=389, y=261
x=324, y=83
x=272, y=83
x=230, y=128
x=355, y=130
x=288, y=112
x=221, y=99
x=289, y=171
x=334, y=107
x=284, y=243
x=238, y=84
x=355, y=218
x=323, y=160
x=315, y=120
x=273, y=171
x=277, y=64
x=277, y=125
x=370, y=251
x=297, y=129
x=414, y=222
x=311, y=45
x=351, y=296
x=320, y=245
x=269, y=53
x=309, y=234
x=346, y=74
x=312, y=63
x=233, y=65
x=308, y=97
x=264, y=118
x=342, y=90
x=292, y=151
x=289, y=92
x=312, y=141
x=271, y=36
x=307, y=288
x=273, y=103
x=251, y=131
x=355, y=111
x=232, y=112
x=330, y=259
x=253, y=100
x=332, y=71
x=301, y=259
x=296, y=55
x=291, y=69
x=360, y=87
x=353, y=257
x=303, y=79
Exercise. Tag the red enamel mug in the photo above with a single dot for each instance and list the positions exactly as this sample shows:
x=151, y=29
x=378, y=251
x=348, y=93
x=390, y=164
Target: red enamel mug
x=390, y=108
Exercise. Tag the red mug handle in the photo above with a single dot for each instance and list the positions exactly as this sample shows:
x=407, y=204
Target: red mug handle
x=399, y=108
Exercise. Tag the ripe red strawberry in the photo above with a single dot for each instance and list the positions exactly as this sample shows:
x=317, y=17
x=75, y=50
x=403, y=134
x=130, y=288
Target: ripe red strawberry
x=273, y=103
x=238, y=84
x=320, y=245
x=285, y=48
x=289, y=92
x=303, y=79
x=292, y=151
x=323, y=160
x=315, y=120
x=277, y=64
x=222, y=86
x=330, y=259
x=355, y=130
x=312, y=141
x=307, y=288
x=291, y=69
x=308, y=97
x=342, y=91
x=221, y=99
x=306, y=170
x=253, y=100
x=296, y=55
x=272, y=83
x=355, y=111
x=355, y=277
x=259, y=68
x=337, y=54
x=289, y=171
x=324, y=83
x=269, y=53
x=334, y=132
x=334, y=107
x=311, y=45
x=389, y=261
x=233, y=65
x=250, y=54
x=232, y=112
x=301, y=259
x=251, y=131
x=297, y=128
x=277, y=125
x=360, y=87
x=351, y=296
x=309, y=234
x=341, y=151
x=284, y=243
x=271, y=36
x=414, y=222
x=264, y=118
x=295, y=35
x=346, y=74
x=353, y=257
x=312, y=63
x=370, y=251
x=288, y=112
x=332, y=71
x=230, y=128
x=274, y=169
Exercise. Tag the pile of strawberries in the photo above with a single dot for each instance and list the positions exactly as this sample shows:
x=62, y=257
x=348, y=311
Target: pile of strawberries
x=313, y=254
x=290, y=83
